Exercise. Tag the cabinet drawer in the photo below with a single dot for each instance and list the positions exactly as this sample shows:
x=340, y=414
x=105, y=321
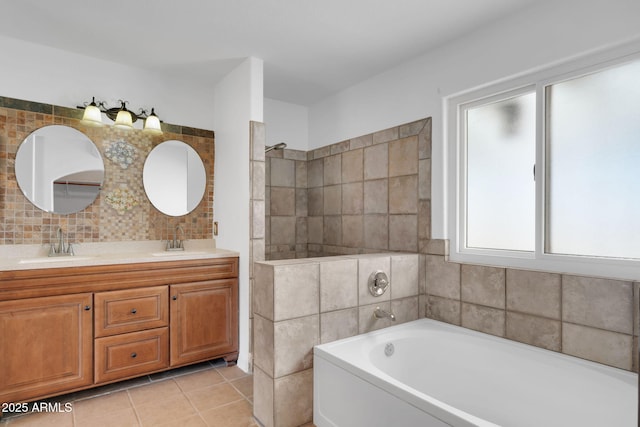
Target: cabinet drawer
x=131, y=310
x=132, y=354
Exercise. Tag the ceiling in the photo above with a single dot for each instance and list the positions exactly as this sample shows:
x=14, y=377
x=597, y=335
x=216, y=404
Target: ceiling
x=310, y=48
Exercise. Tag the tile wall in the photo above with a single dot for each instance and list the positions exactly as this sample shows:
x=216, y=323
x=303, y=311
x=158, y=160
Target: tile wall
x=23, y=223
x=364, y=195
x=301, y=303
x=591, y=318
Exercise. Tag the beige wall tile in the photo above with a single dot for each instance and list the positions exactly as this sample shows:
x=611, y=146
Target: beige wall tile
x=376, y=196
x=366, y=266
x=338, y=284
x=315, y=229
x=405, y=309
x=267, y=171
x=403, y=195
x=404, y=276
x=332, y=230
x=403, y=156
x=483, y=285
x=424, y=174
x=257, y=227
x=257, y=180
x=353, y=166
x=610, y=348
x=333, y=200
x=443, y=278
x=443, y=309
x=413, y=128
x=302, y=202
x=361, y=141
x=283, y=201
x=367, y=322
x=335, y=325
x=636, y=308
x=376, y=232
x=352, y=198
x=283, y=230
x=263, y=344
x=352, y=231
x=263, y=290
x=533, y=292
x=283, y=173
x=333, y=170
x=258, y=138
x=340, y=147
x=296, y=290
x=301, y=174
x=315, y=173
x=294, y=399
x=294, y=154
x=438, y=247
x=424, y=219
x=294, y=340
x=315, y=197
x=263, y=385
x=483, y=319
x=385, y=135
x=534, y=330
x=424, y=141
x=601, y=303
x=376, y=161
x=302, y=232
x=403, y=233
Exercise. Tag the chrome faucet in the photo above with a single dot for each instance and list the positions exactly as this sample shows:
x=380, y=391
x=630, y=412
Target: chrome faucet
x=379, y=313
x=176, y=245
x=60, y=249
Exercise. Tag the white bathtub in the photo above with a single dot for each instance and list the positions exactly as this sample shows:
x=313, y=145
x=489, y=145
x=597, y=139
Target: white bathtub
x=440, y=375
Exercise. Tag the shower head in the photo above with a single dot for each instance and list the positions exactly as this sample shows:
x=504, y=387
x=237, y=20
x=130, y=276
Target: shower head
x=279, y=146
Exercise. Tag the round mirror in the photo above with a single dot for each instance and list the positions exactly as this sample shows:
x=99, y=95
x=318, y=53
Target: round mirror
x=174, y=178
x=59, y=169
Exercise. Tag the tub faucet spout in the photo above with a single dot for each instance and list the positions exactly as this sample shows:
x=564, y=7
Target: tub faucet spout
x=379, y=313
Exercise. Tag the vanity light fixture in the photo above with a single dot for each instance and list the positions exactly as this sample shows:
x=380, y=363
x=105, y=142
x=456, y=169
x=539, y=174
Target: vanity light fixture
x=122, y=117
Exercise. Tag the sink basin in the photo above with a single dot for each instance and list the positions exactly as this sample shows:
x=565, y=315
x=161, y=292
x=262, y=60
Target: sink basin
x=178, y=253
x=53, y=259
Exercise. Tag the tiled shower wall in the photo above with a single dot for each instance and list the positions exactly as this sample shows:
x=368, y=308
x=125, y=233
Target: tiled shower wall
x=368, y=194
x=23, y=223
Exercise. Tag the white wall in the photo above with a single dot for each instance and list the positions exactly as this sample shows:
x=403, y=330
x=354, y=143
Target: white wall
x=543, y=34
x=238, y=100
x=39, y=73
x=286, y=122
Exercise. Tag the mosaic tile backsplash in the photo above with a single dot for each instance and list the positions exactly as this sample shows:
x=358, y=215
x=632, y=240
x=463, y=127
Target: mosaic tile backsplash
x=122, y=211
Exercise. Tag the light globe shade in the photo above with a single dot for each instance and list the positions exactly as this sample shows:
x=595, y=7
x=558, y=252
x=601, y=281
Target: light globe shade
x=92, y=115
x=152, y=124
x=124, y=120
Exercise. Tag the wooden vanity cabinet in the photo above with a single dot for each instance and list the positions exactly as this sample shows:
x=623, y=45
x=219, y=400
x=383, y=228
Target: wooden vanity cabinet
x=72, y=328
x=204, y=321
x=46, y=346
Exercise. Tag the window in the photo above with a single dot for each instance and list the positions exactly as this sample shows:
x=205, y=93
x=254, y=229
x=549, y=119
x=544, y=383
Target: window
x=547, y=170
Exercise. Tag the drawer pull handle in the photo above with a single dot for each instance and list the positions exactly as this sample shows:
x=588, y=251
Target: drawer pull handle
x=134, y=355
x=134, y=311
x=175, y=297
x=87, y=307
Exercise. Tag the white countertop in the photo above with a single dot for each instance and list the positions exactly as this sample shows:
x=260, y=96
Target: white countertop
x=29, y=257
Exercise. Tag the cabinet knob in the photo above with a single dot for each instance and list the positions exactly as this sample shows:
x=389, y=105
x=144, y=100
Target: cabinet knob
x=134, y=311
x=87, y=307
x=134, y=355
x=175, y=297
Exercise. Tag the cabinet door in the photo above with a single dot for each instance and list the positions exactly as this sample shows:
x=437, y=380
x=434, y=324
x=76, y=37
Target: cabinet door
x=204, y=320
x=46, y=346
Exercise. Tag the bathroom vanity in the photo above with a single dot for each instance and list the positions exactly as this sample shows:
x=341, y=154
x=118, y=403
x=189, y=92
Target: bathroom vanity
x=65, y=328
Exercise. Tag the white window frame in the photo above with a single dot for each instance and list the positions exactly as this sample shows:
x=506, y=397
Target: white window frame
x=454, y=125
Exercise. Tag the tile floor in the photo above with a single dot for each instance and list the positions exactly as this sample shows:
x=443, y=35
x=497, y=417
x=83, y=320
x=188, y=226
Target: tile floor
x=208, y=394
